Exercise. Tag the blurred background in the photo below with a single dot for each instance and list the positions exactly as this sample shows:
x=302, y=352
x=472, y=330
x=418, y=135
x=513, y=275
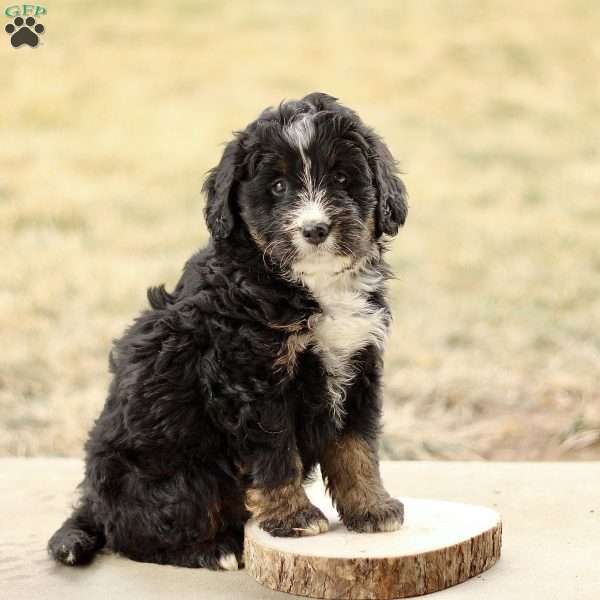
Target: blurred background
x=492, y=108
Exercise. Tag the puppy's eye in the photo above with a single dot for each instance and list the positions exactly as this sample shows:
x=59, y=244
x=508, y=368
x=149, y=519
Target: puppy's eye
x=340, y=178
x=279, y=187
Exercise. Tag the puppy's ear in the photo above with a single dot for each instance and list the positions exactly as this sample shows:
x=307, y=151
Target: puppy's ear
x=218, y=188
x=392, y=197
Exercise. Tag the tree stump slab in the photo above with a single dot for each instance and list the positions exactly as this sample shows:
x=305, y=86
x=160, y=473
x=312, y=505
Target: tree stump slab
x=440, y=545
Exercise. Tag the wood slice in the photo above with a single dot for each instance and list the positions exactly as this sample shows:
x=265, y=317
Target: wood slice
x=440, y=544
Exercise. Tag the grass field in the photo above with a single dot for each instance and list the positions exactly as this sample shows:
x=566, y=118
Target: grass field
x=493, y=109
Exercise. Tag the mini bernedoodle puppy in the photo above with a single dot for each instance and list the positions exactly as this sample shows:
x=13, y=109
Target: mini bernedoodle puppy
x=265, y=360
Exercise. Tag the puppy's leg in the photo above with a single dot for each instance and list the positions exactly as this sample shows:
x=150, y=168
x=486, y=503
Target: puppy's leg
x=351, y=470
x=283, y=508
x=79, y=537
x=192, y=518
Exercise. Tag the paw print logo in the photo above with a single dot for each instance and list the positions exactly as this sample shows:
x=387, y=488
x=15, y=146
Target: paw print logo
x=24, y=32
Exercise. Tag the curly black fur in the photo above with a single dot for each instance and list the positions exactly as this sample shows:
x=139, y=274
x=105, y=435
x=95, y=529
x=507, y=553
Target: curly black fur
x=220, y=385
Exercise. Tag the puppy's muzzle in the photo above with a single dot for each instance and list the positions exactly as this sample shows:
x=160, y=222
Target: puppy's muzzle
x=315, y=232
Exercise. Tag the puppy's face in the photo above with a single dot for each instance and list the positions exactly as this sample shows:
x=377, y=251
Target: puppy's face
x=311, y=186
x=309, y=201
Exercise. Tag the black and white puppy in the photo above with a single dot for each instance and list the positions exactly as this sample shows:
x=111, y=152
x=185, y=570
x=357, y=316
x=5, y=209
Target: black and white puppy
x=264, y=361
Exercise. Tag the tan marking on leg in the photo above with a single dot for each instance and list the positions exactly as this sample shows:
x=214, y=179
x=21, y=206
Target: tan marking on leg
x=351, y=470
x=286, y=508
x=278, y=502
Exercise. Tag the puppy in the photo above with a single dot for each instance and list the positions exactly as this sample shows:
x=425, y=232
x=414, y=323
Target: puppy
x=264, y=362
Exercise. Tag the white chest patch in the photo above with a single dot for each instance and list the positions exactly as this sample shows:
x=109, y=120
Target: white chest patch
x=348, y=323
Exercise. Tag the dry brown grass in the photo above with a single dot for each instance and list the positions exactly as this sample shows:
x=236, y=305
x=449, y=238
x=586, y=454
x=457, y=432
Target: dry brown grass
x=494, y=109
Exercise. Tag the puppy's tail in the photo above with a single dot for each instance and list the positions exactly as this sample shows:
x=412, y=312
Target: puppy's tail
x=78, y=539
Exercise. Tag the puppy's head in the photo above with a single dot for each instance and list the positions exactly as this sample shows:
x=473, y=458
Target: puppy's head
x=312, y=185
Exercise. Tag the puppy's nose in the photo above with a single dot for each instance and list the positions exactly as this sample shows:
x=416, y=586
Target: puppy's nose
x=315, y=233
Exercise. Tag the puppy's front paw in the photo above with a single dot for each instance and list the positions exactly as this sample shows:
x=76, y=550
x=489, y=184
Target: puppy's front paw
x=388, y=515
x=307, y=521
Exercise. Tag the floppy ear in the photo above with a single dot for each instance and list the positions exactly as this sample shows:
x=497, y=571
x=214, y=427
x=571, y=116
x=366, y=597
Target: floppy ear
x=218, y=188
x=392, y=196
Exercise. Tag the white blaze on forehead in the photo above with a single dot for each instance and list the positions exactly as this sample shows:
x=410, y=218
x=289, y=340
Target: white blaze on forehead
x=300, y=132
x=312, y=208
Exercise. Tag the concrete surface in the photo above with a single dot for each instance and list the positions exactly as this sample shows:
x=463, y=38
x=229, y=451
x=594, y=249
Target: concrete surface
x=551, y=535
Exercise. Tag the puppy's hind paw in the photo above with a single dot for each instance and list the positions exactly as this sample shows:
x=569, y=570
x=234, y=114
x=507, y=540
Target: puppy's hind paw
x=229, y=562
x=72, y=546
